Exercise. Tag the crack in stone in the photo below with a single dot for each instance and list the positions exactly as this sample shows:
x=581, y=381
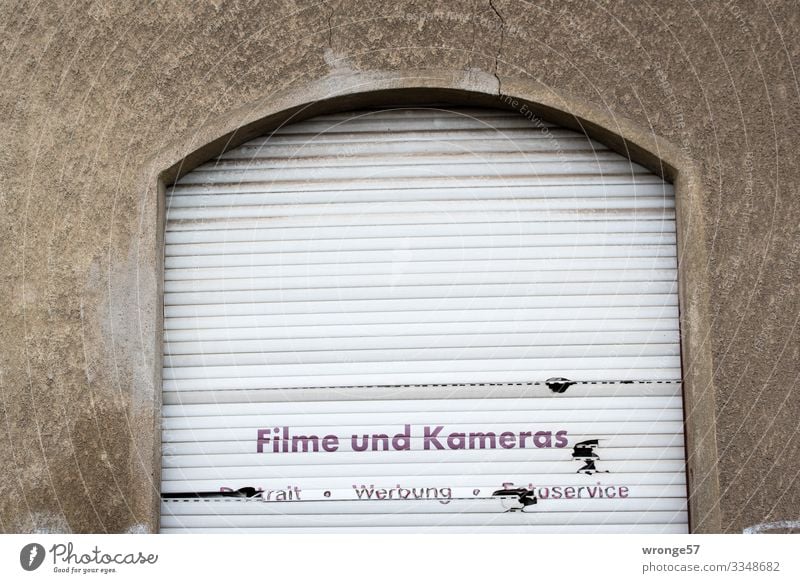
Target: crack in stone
x=331, y=13
x=500, y=46
x=472, y=41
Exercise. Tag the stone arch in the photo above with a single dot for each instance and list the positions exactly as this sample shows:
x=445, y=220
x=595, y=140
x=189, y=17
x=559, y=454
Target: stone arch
x=353, y=90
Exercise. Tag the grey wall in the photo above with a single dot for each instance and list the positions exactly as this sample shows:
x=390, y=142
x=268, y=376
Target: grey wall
x=97, y=98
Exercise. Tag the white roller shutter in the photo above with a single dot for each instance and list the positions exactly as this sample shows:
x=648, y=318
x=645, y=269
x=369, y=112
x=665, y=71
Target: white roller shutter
x=387, y=273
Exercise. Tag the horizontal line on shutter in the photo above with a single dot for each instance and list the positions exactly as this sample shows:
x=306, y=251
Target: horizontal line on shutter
x=437, y=522
x=432, y=188
x=219, y=462
x=257, y=337
x=485, y=291
x=433, y=112
x=468, y=141
x=304, y=395
x=230, y=506
x=526, y=529
x=358, y=297
x=446, y=481
x=444, y=404
x=386, y=190
x=442, y=197
x=337, y=232
x=387, y=508
x=188, y=507
x=296, y=353
x=333, y=144
x=544, y=219
x=455, y=375
x=582, y=267
x=207, y=452
x=670, y=421
x=608, y=450
x=432, y=241
x=451, y=406
x=292, y=149
x=394, y=421
x=397, y=520
x=656, y=233
x=345, y=183
x=658, y=481
x=246, y=447
x=397, y=471
x=511, y=363
x=604, y=528
x=386, y=128
x=418, y=172
x=376, y=130
x=487, y=457
x=409, y=302
x=653, y=423
x=510, y=134
x=464, y=494
x=434, y=152
x=487, y=480
x=420, y=112
x=330, y=176
x=184, y=452
x=521, y=319
x=406, y=148
x=507, y=134
x=235, y=414
x=546, y=331
x=331, y=257
x=597, y=219
x=274, y=277
x=375, y=122
x=286, y=376
x=269, y=466
x=629, y=278
x=420, y=354
x=617, y=247
x=423, y=112
x=440, y=156
x=249, y=214
x=253, y=349
x=543, y=235
x=319, y=285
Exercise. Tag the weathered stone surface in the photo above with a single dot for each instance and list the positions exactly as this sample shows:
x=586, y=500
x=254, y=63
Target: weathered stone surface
x=94, y=96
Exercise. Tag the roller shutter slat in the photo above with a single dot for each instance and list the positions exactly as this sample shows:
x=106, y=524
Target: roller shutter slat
x=625, y=411
x=605, y=528
x=551, y=189
x=198, y=450
x=216, y=461
x=484, y=481
x=613, y=394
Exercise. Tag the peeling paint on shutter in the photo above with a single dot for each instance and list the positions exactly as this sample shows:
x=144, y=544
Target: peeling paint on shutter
x=382, y=272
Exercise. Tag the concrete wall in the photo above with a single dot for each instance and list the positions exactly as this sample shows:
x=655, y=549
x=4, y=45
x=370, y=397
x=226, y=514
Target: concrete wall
x=98, y=99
